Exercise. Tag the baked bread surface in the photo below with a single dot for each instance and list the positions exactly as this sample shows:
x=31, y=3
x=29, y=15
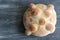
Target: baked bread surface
x=40, y=19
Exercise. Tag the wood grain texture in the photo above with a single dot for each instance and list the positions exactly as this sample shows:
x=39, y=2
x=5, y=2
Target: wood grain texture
x=11, y=24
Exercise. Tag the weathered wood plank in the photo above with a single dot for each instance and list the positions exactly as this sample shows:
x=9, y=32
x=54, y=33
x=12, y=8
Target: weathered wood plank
x=11, y=25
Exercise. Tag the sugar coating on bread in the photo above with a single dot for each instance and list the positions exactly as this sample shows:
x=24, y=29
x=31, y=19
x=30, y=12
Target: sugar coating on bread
x=40, y=19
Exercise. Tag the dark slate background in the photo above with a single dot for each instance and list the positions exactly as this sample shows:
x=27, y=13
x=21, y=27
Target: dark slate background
x=11, y=25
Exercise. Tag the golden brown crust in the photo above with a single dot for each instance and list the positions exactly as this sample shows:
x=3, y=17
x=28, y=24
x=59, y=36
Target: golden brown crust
x=31, y=27
x=35, y=12
x=47, y=13
x=51, y=6
x=32, y=6
x=42, y=21
x=49, y=27
x=42, y=6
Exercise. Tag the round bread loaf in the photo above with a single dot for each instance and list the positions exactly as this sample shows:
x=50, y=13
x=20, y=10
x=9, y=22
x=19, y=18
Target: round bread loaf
x=40, y=19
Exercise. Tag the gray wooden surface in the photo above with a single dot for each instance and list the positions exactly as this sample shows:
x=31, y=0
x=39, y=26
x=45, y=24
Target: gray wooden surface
x=11, y=25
